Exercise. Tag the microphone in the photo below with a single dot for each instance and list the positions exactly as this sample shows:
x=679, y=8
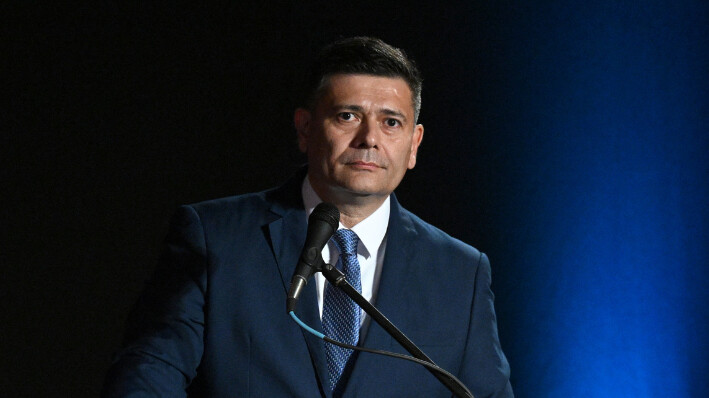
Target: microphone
x=322, y=224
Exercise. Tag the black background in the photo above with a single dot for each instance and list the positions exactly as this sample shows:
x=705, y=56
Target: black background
x=119, y=112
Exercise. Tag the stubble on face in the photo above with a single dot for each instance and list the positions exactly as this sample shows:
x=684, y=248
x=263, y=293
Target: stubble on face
x=360, y=138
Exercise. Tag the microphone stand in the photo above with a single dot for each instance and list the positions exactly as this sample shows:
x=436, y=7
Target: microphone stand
x=337, y=278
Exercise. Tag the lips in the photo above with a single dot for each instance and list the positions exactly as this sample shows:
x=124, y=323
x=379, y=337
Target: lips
x=363, y=165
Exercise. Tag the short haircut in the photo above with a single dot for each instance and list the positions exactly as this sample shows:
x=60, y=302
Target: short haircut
x=362, y=56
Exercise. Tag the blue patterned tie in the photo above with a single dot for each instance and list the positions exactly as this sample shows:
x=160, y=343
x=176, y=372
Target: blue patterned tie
x=341, y=315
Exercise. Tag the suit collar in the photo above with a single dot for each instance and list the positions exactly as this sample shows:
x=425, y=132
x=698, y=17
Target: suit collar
x=400, y=254
x=371, y=230
x=287, y=229
x=402, y=239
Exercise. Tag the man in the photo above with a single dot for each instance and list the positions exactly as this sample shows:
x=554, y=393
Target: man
x=212, y=322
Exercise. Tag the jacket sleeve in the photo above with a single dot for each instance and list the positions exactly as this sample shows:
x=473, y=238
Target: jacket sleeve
x=163, y=343
x=485, y=368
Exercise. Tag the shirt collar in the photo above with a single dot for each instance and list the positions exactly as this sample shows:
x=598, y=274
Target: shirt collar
x=371, y=230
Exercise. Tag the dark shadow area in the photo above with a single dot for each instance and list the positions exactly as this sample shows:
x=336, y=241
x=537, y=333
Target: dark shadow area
x=567, y=142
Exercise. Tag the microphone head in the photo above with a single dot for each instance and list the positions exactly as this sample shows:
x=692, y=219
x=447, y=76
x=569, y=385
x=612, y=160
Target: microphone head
x=326, y=212
x=322, y=223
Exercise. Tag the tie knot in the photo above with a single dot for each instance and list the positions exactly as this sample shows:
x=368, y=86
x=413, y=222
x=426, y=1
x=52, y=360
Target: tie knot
x=346, y=241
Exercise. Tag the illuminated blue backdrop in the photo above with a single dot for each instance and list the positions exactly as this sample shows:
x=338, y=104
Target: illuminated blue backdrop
x=567, y=139
x=597, y=148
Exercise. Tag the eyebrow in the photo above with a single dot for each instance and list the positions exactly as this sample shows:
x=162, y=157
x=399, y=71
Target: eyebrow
x=392, y=112
x=357, y=108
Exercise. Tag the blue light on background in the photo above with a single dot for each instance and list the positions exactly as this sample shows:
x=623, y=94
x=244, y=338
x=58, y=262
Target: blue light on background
x=569, y=140
x=600, y=161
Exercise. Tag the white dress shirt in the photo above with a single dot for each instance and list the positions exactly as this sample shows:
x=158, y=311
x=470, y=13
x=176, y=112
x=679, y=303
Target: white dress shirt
x=370, y=250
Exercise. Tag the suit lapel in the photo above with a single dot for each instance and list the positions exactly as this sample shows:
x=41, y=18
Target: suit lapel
x=399, y=257
x=400, y=254
x=287, y=235
x=287, y=232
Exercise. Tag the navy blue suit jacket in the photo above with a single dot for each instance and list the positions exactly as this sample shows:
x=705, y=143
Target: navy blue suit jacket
x=212, y=320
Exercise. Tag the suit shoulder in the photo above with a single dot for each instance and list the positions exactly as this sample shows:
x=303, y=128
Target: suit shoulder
x=231, y=204
x=229, y=213
x=440, y=239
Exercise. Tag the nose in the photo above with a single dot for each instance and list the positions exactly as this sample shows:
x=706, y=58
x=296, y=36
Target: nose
x=367, y=135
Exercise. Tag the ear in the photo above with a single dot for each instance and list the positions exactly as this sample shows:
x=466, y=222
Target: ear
x=301, y=120
x=415, y=142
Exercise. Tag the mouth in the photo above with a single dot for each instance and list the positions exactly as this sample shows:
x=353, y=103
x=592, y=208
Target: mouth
x=364, y=165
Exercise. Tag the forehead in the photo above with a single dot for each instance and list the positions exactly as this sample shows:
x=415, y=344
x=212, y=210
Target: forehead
x=367, y=90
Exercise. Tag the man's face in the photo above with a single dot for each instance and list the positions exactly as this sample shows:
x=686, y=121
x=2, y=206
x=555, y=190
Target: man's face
x=360, y=138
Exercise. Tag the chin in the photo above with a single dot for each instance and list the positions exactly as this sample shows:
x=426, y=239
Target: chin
x=364, y=190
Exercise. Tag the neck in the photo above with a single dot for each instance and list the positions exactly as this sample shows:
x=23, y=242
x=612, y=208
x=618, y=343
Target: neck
x=353, y=207
x=351, y=215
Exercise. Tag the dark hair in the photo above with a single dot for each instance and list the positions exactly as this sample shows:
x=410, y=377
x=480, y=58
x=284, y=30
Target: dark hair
x=366, y=56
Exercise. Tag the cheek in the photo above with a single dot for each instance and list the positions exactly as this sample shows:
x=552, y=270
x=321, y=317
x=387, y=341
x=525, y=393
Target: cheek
x=322, y=150
x=335, y=148
x=403, y=151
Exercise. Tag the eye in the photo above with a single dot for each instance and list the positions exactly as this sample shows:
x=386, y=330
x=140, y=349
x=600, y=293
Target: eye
x=346, y=116
x=392, y=123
